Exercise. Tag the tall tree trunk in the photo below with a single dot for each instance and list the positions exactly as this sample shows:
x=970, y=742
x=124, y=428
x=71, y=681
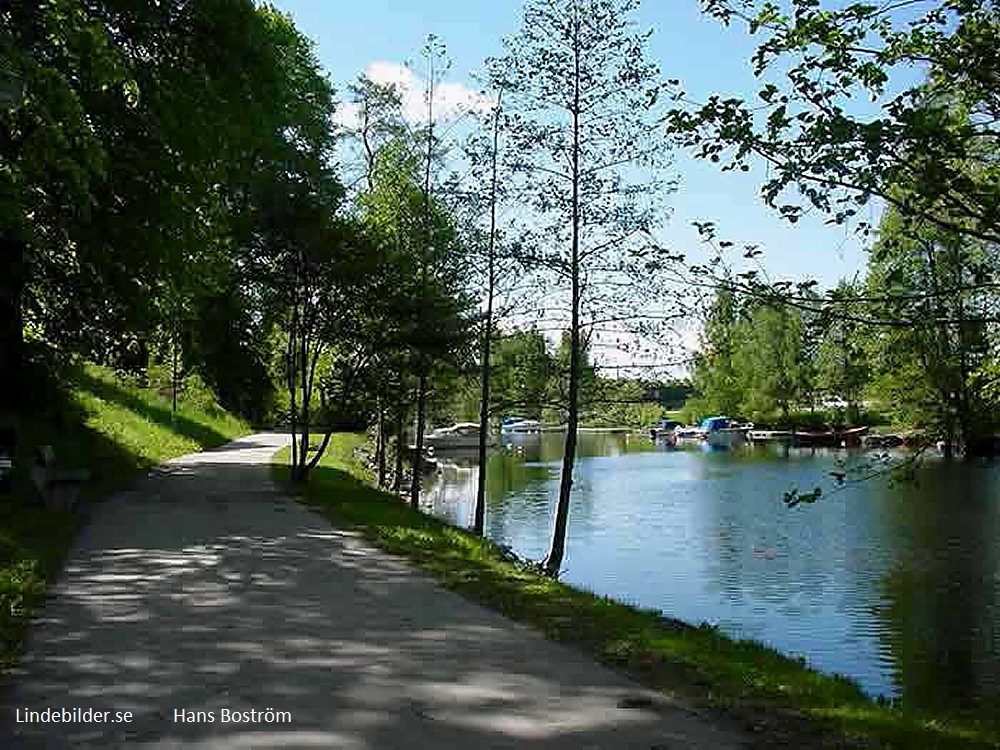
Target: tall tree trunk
x=291, y=371
x=380, y=444
x=479, y=514
x=397, y=475
x=418, y=448
x=418, y=453
x=553, y=563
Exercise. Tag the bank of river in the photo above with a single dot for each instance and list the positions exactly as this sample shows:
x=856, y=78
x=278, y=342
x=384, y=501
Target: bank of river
x=895, y=584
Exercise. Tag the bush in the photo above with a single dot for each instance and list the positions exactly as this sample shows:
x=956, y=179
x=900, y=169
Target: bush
x=195, y=394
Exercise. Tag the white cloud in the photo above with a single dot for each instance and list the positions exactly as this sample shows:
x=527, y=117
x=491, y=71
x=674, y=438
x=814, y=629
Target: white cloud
x=450, y=99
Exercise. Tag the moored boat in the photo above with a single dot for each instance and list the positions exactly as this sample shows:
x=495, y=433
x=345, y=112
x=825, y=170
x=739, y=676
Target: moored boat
x=517, y=425
x=458, y=436
x=770, y=436
x=664, y=429
x=687, y=433
x=723, y=432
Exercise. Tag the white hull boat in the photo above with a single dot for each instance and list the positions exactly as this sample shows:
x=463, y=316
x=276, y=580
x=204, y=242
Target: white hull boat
x=727, y=437
x=460, y=436
x=520, y=427
x=722, y=432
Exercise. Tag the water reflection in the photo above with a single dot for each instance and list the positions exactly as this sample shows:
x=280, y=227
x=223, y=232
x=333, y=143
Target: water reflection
x=942, y=593
x=894, y=584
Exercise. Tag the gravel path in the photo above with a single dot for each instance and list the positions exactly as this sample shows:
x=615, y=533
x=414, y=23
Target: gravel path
x=205, y=589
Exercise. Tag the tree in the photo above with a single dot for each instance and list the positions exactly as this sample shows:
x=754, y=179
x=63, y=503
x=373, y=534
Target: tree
x=522, y=369
x=219, y=218
x=842, y=367
x=381, y=132
x=479, y=512
x=719, y=387
x=926, y=151
x=423, y=284
x=229, y=346
x=772, y=362
x=580, y=90
x=912, y=153
x=504, y=278
x=932, y=369
x=304, y=265
x=625, y=401
x=433, y=52
x=380, y=121
x=442, y=302
x=50, y=158
x=189, y=102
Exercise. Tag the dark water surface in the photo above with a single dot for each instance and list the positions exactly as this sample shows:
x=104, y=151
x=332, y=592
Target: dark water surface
x=895, y=584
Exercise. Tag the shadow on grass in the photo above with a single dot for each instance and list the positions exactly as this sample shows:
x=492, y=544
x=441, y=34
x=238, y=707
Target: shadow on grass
x=785, y=701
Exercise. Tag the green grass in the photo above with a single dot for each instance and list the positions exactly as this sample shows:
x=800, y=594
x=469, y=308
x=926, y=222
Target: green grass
x=115, y=432
x=787, y=703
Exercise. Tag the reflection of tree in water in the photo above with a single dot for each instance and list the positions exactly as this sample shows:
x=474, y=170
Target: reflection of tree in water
x=943, y=593
x=875, y=575
x=521, y=483
x=517, y=497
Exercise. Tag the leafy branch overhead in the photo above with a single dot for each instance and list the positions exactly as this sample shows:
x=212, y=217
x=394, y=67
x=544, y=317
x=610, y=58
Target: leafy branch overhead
x=920, y=146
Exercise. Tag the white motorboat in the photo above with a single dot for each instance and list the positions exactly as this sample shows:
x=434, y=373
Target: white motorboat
x=459, y=435
x=516, y=426
x=687, y=433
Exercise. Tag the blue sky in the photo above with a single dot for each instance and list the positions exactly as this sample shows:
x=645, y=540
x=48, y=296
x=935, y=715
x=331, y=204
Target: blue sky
x=706, y=56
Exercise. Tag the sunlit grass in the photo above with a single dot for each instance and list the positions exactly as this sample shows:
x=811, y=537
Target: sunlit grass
x=785, y=702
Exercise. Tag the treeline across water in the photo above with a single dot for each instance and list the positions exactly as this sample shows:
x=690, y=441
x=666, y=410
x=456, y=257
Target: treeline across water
x=528, y=379
x=913, y=344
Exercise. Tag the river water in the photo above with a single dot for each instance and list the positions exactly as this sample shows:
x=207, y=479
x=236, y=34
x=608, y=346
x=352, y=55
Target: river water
x=892, y=582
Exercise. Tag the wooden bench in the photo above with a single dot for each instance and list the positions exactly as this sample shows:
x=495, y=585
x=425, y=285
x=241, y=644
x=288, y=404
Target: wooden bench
x=60, y=488
x=6, y=473
x=8, y=445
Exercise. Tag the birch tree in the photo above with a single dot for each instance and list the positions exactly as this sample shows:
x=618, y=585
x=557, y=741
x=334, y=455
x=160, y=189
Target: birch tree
x=582, y=100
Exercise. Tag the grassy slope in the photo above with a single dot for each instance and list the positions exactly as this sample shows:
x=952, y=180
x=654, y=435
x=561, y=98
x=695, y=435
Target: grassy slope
x=115, y=432
x=784, y=702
